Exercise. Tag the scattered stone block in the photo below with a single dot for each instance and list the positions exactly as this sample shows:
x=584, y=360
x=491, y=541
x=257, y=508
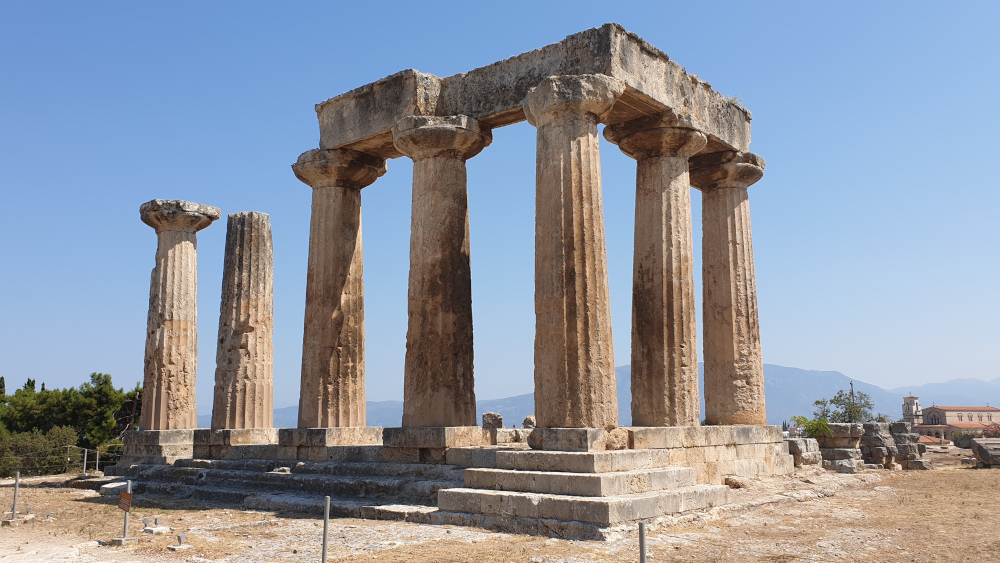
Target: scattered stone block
x=919, y=464
x=124, y=541
x=987, y=451
x=529, y=421
x=492, y=420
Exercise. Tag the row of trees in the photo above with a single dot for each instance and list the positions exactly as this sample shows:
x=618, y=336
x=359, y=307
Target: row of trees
x=96, y=412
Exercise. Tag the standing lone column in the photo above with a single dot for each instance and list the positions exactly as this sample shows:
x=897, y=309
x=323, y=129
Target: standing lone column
x=734, y=369
x=244, y=365
x=574, y=357
x=664, y=326
x=171, y=364
x=438, y=387
x=332, y=393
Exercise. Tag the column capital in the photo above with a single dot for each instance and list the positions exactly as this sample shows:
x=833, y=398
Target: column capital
x=665, y=134
x=589, y=94
x=725, y=169
x=343, y=168
x=455, y=136
x=177, y=215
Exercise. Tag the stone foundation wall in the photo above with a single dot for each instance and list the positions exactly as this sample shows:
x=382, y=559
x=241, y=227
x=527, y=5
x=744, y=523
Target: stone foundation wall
x=717, y=452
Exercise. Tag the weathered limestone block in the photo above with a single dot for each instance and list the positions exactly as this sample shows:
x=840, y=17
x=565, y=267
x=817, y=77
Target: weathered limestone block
x=171, y=362
x=987, y=451
x=244, y=368
x=734, y=369
x=438, y=379
x=919, y=464
x=843, y=465
x=900, y=428
x=492, y=420
x=664, y=326
x=805, y=451
x=333, y=356
x=529, y=421
x=574, y=356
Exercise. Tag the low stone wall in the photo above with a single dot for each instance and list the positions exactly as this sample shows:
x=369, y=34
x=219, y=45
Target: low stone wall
x=840, y=451
x=892, y=446
x=805, y=451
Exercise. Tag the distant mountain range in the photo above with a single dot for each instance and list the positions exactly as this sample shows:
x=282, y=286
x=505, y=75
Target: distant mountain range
x=790, y=392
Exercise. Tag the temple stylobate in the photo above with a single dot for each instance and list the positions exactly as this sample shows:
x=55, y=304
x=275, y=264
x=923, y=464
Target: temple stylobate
x=681, y=133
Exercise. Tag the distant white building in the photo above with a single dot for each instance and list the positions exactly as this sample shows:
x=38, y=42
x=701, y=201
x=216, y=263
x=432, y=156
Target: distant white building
x=945, y=421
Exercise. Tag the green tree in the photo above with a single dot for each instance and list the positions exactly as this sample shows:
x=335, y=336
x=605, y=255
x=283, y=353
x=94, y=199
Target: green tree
x=846, y=406
x=29, y=385
x=3, y=387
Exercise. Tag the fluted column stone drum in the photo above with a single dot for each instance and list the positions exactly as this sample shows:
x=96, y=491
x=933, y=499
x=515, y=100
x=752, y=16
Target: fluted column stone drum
x=244, y=367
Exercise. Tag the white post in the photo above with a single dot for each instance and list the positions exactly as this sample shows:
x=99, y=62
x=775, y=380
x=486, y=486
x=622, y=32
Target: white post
x=84, y=461
x=128, y=489
x=17, y=486
x=326, y=526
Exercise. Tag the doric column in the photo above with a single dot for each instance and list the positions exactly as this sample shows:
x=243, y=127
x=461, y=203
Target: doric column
x=438, y=381
x=574, y=357
x=664, y=326
x=734, y=369
x=332, y=393
x=171, y=364
x=244, y=365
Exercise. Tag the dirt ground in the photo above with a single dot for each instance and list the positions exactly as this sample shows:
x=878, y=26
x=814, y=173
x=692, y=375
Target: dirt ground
x=949, y=514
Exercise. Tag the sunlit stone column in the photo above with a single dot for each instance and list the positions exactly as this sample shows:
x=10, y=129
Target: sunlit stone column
x=734, y=369
x=171, y=364
x=438, y=380
x=574, y=357
x=664, y=326
x=244, y=365
x=332, y=392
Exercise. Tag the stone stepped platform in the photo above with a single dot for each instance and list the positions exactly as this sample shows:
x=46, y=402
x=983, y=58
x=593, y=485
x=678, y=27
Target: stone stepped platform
x=590, y=495
x=355, y=488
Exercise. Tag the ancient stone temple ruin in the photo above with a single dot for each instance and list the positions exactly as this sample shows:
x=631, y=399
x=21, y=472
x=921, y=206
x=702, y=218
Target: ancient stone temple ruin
x=579, y=472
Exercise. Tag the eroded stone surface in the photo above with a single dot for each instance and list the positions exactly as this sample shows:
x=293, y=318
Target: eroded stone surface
x=244, y=370
x=171, y=362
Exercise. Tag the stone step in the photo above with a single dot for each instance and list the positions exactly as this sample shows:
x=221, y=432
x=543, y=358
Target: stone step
x=415, y=488
x=604, y=511
x=425, y=470
x=581, y=484
x=567, y=462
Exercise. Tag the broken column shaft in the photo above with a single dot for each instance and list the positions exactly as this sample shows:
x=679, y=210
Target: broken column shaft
x=244, y=369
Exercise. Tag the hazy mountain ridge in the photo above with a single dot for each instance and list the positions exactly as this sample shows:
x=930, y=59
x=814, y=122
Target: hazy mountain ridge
x=790, y=392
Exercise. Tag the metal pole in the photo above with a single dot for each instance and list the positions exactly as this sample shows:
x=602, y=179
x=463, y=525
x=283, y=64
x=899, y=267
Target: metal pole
x=17, y=485
x=642, y=542
x=84, y=461
x=326, y=526
x=97, y=458
x=128, y=489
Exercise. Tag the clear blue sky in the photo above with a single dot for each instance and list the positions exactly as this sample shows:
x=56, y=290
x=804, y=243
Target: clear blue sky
x=875, y=226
